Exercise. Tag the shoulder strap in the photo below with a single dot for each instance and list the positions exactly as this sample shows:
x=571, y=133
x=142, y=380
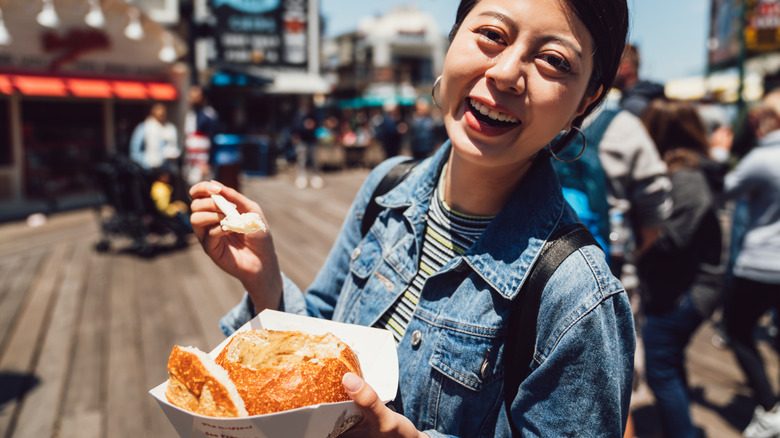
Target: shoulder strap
x=398, y=173
x=521, y=330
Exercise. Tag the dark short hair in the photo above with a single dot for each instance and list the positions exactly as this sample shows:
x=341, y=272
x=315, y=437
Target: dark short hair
x=607, y=22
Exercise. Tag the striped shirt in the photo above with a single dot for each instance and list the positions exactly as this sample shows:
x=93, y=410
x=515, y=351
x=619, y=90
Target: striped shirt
x=447, y=234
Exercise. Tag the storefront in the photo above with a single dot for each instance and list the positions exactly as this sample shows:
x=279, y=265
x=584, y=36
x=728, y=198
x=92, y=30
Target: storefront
x=72, y=89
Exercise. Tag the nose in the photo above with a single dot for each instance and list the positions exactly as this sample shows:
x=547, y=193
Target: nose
x=507, y=73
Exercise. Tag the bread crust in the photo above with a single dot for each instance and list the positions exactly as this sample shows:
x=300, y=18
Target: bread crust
x=275, y=371
x=192, y=386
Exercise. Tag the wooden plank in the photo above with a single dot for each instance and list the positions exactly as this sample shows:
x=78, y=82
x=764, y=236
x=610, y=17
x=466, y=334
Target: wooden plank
x=125, y=386
x=203, y=303
x=13, y=293
x=82, y=425
x=24, y=345
x=167, y=320
x=41, y=406
x=82, y=413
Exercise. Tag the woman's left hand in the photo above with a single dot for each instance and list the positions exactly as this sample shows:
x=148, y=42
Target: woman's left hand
x=378, y=420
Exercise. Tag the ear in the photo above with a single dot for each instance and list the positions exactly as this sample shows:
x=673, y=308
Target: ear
x=586, y=101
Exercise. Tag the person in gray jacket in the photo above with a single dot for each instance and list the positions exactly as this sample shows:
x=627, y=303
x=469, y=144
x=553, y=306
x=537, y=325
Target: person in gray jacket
x=636, y=177
x=756, y=271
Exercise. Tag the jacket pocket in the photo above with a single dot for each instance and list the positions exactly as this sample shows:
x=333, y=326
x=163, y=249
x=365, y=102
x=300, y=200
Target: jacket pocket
x=466, y=394
x=468, y=359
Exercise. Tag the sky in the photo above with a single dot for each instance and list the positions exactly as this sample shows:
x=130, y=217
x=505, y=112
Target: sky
x=671, y=34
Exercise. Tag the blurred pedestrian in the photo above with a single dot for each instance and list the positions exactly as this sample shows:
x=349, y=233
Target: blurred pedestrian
x=680, y=273
x=636, y=93
x=176, y=211
x=304, y=137
x=155, y=141
x=756, y=272
x=389, y=129
x=201, y=124
x=422, y=130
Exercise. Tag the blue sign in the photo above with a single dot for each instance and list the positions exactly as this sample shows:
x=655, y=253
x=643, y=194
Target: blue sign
x=249, y=6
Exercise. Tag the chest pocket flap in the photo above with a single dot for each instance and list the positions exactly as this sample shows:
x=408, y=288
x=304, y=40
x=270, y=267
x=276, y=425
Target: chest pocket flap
x=468, y=359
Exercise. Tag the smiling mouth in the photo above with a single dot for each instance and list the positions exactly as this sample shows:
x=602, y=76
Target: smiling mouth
x=491, y=117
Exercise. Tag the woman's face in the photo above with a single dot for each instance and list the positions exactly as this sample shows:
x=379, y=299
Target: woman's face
x=515, y=75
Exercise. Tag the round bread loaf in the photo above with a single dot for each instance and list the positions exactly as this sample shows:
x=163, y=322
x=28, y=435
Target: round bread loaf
x=280, y=370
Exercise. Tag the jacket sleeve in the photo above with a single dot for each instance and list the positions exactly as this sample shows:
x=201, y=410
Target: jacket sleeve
x=583, y=367
x=745, y=177
x=635, y=172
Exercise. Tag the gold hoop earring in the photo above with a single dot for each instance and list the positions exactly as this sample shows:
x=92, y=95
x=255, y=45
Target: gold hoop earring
x=584, y=145
x=436, y=90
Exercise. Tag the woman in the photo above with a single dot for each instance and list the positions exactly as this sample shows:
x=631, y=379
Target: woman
x=681, y=275
x=516, y=74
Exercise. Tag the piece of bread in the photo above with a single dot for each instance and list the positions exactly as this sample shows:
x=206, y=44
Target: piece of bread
x=199, y=385
x=243, y=223
x=280, y=370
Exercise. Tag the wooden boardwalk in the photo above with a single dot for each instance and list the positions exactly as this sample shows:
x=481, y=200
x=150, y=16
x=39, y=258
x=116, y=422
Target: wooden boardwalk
x=84, y=335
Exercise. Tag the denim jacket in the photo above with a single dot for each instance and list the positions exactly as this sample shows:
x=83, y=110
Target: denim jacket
x=451, y=358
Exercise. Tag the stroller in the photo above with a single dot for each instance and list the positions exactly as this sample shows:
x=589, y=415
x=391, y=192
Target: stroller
x=126, y=188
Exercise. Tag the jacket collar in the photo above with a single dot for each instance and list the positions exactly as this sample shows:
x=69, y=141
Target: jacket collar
x=512, y=242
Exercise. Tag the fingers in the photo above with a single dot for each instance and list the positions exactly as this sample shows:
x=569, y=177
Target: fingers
x=204, y=189
x=364, y=397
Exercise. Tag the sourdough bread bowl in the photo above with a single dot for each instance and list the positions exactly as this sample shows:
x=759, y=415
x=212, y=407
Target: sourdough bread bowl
x=261, y=372
x=280, y=370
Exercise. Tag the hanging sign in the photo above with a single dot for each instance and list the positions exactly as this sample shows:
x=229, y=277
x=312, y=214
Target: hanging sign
x=263, y=33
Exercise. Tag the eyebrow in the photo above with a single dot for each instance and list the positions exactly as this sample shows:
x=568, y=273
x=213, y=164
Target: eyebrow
x=545, y=39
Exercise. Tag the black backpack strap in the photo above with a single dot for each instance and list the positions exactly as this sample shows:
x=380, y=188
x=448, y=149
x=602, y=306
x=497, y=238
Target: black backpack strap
x=521, y=330
x=398, y=173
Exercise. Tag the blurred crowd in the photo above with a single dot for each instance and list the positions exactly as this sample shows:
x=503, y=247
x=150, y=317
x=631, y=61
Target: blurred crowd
x=700, y=191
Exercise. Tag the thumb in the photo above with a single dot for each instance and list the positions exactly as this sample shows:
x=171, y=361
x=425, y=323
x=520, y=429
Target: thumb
x=362, y=394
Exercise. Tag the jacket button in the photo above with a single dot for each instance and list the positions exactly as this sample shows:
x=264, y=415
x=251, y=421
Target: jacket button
x=355, y=253
x=416, y=338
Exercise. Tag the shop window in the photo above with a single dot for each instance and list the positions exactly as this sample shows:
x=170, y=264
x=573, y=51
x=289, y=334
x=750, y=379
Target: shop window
x=62, y=142
x=6, y=154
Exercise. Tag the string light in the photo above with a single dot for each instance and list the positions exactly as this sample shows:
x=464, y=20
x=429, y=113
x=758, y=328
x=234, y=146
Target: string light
x=48, y=16
x=5, y=37
x=168, y=52
x=134, y=29
x=95, y=17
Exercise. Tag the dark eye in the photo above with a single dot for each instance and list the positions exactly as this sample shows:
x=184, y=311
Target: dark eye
x=556, y=62
x=491, y=34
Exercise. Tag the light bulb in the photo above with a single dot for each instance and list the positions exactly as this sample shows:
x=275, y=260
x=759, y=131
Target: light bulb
x=168, y=52
x=134, y=29
x=48, y=16
x=5, y=37
x=95, y=17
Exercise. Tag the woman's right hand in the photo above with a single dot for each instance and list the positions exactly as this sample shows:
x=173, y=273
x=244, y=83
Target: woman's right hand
x=250, y=258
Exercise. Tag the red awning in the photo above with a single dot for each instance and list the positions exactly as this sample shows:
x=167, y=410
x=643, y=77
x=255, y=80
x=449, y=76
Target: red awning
x=52, y=86
x=90, y=88
x=40, y=85
x=162, y=91
x=5, y=85
x=129, y=90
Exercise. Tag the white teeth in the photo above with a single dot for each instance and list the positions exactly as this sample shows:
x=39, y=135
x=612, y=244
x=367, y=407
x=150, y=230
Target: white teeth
x=493, y=114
